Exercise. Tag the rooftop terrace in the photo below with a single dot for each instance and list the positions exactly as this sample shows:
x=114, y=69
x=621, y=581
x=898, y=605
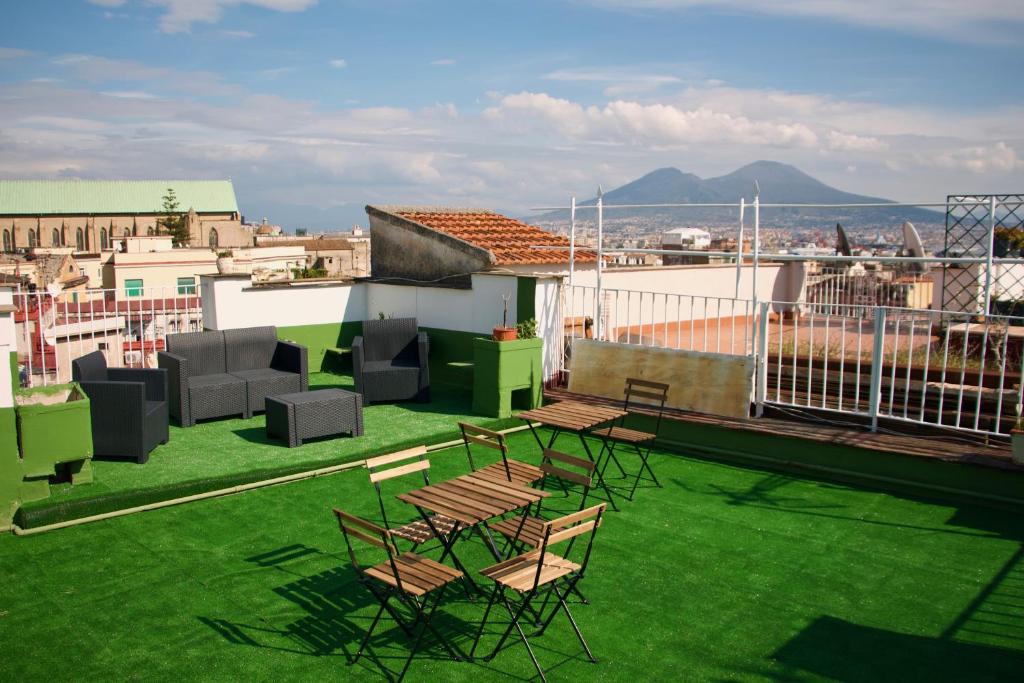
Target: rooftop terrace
x=726, y=573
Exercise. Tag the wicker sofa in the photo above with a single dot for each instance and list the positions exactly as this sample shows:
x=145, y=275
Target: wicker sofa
x=230, y=372
x=128, y=406
x=389, y=361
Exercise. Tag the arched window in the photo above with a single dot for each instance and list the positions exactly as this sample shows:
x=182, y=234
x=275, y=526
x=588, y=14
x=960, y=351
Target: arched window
x=88, y=242
x=32, y=238
x=127, y=232
x=135, y=231
x=55, y=238
x=7, y=240
x=103, y=239
x=213, y=238
x=150, y=231
x=79, y=240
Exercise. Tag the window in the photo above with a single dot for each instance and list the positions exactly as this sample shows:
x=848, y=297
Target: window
x=103, y=239
x=7, y=240
x=213, y=238
x=55, y=238
x=80, y=240
x=32, y=238
x=150, y=232
x=133, y=287
x=186, y=285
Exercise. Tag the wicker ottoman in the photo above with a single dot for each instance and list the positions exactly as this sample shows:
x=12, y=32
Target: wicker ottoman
x=311, y=414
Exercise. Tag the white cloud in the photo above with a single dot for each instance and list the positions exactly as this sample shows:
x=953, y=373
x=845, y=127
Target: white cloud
x=999, y=157
x=238, y=34
x=953, y=18
x=443, y=62
x=13, y=53
x=337, y=63
x=847, y=142
x=179, y=15
x=95, y=69
x=129, y=94
x=107, y=3
x=626, y=122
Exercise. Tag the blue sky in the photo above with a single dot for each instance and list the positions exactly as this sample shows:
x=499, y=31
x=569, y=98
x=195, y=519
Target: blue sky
x=317, y=108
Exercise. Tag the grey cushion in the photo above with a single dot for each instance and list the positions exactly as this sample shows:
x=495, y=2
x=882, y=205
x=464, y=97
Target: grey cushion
x=203, y=350
x=213, y=380
x=249, y=348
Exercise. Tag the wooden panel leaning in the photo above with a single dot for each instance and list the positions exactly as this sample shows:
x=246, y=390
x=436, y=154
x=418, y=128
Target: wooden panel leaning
x=407, y=577
x=507, y=469
x=392, y=466
x=540, y=571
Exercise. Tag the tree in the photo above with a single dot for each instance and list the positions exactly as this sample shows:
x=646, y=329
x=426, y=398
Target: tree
x=173, y=222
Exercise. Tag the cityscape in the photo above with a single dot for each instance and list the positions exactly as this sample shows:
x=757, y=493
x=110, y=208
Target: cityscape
x=575, y=340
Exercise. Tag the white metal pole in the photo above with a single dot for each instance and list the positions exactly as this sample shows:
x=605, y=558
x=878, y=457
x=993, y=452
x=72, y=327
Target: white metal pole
x=739, y=249
x=600, y=262
x=988, y=255
x=572, y=242
x=757, y=247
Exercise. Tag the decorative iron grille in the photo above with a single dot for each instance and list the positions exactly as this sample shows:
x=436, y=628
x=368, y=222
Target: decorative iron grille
x=968, y=221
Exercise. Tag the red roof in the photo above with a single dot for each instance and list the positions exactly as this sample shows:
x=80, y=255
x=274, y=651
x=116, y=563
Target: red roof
x=510, y=241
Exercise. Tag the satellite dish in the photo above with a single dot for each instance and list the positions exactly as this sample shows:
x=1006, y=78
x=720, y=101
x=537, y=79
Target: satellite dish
x=912, y=247
x=842, y=243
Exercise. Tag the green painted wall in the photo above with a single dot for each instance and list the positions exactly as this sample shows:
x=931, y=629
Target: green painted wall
x=526, y=298
x=318, y=338
x=10, y=466
x=445, y=346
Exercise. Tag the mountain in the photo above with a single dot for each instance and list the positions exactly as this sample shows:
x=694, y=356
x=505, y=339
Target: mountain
x=778, y=183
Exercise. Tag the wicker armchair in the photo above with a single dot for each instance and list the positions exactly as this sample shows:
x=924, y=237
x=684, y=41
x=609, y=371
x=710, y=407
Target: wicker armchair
x=389, y=361
x=128, y=406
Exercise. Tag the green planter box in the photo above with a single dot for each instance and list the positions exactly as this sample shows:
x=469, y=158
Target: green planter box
x=506, y=373
x=54, y=428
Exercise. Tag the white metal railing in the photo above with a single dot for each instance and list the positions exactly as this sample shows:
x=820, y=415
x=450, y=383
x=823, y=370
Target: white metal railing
x=944, y=369
x=839, y=290
x=129, y=326
x=676, y=321
x=937, y=368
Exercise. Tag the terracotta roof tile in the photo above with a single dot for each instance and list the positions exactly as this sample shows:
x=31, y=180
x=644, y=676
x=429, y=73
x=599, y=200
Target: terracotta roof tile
x=510, y=241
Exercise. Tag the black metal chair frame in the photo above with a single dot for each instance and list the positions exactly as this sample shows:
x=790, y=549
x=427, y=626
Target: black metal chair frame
x=556, y=531
x=385, y=467
x=353, y=527
x=494, y=441
x=644, y=389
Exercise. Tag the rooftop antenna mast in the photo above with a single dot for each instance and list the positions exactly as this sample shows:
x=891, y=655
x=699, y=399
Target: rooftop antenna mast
x=600, y=261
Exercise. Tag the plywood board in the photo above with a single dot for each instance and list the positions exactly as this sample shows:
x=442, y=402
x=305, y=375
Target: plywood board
x=714, y=383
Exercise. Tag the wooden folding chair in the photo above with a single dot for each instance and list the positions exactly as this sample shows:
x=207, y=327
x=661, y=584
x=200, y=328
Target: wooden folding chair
x=539, y=571
x=508, y=470
x=641, y=442
x=527, y=530
x=408, y=577
x=385, y=467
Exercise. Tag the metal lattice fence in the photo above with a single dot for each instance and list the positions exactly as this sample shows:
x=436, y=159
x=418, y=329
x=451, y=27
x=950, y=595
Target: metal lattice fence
x=975, y=226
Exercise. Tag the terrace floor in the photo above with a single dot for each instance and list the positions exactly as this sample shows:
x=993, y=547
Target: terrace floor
x=220, y=453
x=727, y=573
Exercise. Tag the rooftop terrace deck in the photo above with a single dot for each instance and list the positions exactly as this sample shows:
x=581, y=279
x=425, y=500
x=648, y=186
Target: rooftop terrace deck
x=726, y=573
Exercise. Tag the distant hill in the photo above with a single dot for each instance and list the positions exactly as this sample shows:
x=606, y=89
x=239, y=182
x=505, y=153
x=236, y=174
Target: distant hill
x=779, y=184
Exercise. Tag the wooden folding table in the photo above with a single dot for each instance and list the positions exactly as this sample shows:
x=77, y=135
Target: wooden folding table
x=573, y=416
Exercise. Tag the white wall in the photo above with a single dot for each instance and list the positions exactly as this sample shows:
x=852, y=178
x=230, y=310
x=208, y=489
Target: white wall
x=476, y=310
x=549, y=324
x=232, y=302
x=8, y=345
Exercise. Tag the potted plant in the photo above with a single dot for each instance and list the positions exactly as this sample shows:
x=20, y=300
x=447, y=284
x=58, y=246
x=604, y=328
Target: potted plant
x=225, y=262
x=1017, y=438
x=504, y=332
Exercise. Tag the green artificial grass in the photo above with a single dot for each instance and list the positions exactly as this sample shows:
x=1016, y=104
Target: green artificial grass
x=725, y=574
x=221, y=453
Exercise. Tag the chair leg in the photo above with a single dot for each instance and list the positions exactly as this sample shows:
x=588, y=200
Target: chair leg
x=369, y=632
x=419, y=638
x=487, y=612
x=522, y=635
x=643, y=465
x=565, y=608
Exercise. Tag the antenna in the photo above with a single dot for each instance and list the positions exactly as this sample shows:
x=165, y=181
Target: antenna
x=757, y=189
x=600, y=192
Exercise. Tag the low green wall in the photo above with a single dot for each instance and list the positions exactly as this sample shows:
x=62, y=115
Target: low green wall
x=446, y=346
x=926, y=477
x=318, y=338
x=10, y=466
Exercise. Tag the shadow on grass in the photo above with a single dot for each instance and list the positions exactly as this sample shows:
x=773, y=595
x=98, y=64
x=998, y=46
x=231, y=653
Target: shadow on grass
x=338, y=610
x=844, y=651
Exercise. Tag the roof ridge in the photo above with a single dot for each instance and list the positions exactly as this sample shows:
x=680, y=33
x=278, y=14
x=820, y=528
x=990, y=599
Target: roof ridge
x=412, y=208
